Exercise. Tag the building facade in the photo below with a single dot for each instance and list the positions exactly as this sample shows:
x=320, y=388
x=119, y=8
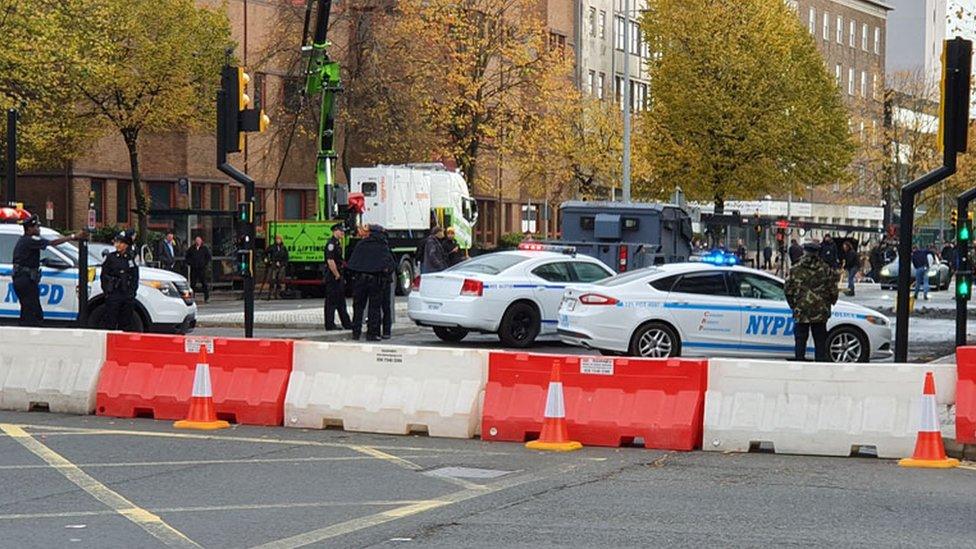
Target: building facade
x=920, y=28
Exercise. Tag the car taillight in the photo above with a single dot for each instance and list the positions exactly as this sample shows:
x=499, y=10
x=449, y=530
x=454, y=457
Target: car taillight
x=622, y=258
x=597, y=299
x=415, y=284
x=472, y=287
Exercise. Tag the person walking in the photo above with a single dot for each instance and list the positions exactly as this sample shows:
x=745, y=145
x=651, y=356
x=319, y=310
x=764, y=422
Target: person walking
x=434, y=259
x=335, y=284
x=276, y=260
x=876, y=260
x=166, y=252
x=922, y=260
x=828, y=251
x=120, y=282
x=795, y=252
x=371, y=260
x=768, y=257
x=198, y=258
x=740, y=252
x=811, y=291
x=27, y=269
x=949, y=256
x=851, y=262
x=452, y=250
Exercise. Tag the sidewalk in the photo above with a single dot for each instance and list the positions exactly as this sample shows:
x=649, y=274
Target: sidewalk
x=940, y=304
x=290, y=318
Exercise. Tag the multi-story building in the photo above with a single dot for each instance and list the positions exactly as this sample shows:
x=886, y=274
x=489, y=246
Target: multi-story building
x=920, y=26
x=604, y=47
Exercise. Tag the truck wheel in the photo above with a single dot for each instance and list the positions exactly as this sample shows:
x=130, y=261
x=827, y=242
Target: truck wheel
x=450, y=335
x=404, y=276
x=520, y=325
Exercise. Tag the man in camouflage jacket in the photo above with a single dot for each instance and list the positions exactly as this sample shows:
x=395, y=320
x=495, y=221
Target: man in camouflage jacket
x=811, y=291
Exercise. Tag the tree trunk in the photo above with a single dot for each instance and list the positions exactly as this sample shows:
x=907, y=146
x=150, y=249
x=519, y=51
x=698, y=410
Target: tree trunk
x=131, y=138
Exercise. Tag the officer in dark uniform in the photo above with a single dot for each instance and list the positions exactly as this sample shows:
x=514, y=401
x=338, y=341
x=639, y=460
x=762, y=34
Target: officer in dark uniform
x=372, y=260
x=27, y=269
x=120, y=281
x=335, y=286
x=389, y=288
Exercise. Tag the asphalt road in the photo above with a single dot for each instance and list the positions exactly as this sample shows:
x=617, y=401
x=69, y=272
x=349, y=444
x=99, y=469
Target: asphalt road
x=98, y=482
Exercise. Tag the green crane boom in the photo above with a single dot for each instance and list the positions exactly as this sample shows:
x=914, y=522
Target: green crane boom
x=322, y=77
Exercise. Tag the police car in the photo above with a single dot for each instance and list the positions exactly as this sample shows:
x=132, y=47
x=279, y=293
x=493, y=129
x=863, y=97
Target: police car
x=515, y=294
x=164, y=301
x=709, y=308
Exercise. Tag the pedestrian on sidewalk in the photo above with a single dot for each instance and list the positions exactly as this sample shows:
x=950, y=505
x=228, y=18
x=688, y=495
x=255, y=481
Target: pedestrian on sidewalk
x=276, y=259
x=198, y=258
x=768, y=258
x=434, y=259
x=811, y=291
x=795, y=252
x=922, y=260
x=335, y=284
x=851, y=264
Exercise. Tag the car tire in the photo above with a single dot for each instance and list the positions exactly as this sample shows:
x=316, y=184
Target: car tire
x=450, y=335
x=655, y=340
x=96, y=320
x=405, y=273
x=520, y=325
x=848, y=344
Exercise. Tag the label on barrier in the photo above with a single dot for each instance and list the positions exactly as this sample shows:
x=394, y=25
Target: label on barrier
x=598, y=366
x=192, y=344
x=389, y=356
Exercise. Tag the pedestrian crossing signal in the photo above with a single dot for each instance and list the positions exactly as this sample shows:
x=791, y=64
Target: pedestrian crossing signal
x=245, y=263
x=964, y=285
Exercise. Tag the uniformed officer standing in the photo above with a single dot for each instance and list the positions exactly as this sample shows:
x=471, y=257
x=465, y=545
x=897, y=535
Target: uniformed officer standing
x=389, y=288
x=372, y=260
x=276, y=260
x=811, y=291
x=120, y=281
x=335, y=286
x=27, y=269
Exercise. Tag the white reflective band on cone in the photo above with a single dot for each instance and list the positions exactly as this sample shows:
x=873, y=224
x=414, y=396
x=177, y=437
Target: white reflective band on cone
x=201, y=381
x=930, y=417
x=555, y=405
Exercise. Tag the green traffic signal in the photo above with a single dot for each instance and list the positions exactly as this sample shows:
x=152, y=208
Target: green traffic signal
x=964, y=232
x=964, y=287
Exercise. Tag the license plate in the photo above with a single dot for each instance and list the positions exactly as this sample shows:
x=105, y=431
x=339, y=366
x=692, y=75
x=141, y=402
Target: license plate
x=433, y=306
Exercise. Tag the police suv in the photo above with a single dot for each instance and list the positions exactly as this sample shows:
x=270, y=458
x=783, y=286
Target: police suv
x=708, y=308
x=515, y=294
x=164, y=301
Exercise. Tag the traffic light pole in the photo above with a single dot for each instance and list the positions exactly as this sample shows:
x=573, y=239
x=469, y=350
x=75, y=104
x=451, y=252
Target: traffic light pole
x=11, y=155
x=964, y=268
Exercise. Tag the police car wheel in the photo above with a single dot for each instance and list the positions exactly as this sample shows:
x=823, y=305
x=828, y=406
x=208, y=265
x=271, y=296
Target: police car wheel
x=96, y=320
x=655, y=340
x=451, y=335
x=404, y=276
x=520, y=325
x=846, y=344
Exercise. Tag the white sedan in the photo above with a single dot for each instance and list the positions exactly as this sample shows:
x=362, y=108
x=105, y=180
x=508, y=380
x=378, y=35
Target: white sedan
x=515, y=294
x=700, y=309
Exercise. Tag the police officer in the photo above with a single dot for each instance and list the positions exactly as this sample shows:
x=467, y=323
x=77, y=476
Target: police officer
x=372, y=260
x=120, y=281
x=389, y=288
x=335, y=286
x=276, y=260
x=811, y=291
x=27, y=269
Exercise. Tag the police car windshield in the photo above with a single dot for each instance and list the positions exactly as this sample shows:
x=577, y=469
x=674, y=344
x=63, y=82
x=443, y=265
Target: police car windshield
x=490, y=264
x=70, y=249
x=628, y=277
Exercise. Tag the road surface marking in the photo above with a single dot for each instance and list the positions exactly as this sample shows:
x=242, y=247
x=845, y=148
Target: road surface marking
x=149, y=522
x=380, y=454
x=218, y=508
x=355, y=525
x=243, y=461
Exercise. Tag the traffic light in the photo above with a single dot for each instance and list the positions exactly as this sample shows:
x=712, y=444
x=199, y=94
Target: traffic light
x=234, y=115
x=245, y=212
x=954, y=217
x=964, y=233
x=957, y=55
x=964, y=285
x=245, y=263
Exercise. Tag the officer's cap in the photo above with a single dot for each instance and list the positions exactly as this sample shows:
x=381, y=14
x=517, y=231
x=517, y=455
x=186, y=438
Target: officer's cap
x=374, y=228
x=127, y=236
x=338, y=227
x=812, y=247
x=32, y=221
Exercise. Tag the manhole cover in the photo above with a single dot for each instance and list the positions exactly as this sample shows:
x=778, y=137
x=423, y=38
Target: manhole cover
x=466, y=472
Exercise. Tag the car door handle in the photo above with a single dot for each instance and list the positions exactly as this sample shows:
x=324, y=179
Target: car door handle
x=752, y=307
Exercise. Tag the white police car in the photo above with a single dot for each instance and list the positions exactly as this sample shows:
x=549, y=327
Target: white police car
x=164, y=301
x=515, y=294
x=708, y=308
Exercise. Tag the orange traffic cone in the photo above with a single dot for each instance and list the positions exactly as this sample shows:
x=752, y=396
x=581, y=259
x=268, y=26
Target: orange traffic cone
x=929, y=451
x=202, y=414
x=554, y=435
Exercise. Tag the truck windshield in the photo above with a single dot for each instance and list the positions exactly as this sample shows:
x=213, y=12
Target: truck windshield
x=469, y=209
x=491, y=264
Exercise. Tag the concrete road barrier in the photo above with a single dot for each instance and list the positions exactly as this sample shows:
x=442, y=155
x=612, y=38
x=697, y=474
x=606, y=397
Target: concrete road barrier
x=818, y=408
x=386, y=389
x=56, y=369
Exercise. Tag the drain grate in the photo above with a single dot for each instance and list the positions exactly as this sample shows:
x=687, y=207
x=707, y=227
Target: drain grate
x=467, y=473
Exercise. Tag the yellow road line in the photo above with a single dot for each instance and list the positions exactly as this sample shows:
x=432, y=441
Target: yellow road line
x=379, y=454
x=243, y=461
x=217, y=508
x=149, y=522
x=354, y=525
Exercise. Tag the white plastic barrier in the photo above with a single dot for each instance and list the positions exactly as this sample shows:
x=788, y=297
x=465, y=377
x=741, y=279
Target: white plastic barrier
x=54, y=367
x=818, y=408
x=387, y=389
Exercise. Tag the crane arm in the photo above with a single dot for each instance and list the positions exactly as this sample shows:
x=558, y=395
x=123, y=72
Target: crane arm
x=322, y=78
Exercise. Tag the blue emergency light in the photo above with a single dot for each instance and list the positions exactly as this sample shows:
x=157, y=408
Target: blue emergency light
x=718, y=257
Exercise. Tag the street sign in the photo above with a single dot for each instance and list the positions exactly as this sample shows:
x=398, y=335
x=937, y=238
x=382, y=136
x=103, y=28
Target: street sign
x=183, y=185
x=49, y=211
x=91, y=219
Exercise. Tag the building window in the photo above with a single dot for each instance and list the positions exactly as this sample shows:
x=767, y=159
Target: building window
x=864, y=37
x=874, y=85
x=850, y=81
x=557, y=41
x=813, y=20
x=618, y=91
x=591, y=21
x=603, y=25
x=620, y=26
x=635, y=38
x=600, y=83
x=234, y=194
x=877, y=40
x=160, y=196
x=837, y=74
x=291, y=204
x=840, y=29
x=590, y=82
x=826, y=26
x=864, y=83
x=98, y=199
x=122, y=201
x=196, y=196
x=852, y=37
x=216, y=197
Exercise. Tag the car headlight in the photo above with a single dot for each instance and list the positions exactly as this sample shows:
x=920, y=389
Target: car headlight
x=885, y=271
x=168, y=289
x=876, y=320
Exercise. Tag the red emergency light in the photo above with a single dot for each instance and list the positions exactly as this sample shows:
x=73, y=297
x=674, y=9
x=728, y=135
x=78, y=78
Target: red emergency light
x=782, y=224
x=13, y=214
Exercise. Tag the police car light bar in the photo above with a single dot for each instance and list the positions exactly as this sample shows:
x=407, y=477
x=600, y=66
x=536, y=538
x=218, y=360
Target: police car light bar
x=718, y=257
x=540, y=247
x=13, y=213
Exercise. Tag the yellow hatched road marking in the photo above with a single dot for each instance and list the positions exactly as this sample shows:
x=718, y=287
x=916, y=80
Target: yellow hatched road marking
x=149, y=522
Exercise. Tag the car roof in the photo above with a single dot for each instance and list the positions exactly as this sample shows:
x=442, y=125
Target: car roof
x=694, y=266
x=18, y=229
x=532, y=254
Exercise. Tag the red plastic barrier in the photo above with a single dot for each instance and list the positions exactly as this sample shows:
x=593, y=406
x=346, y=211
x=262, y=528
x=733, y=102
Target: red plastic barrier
x=661, y=401
x=152, y=376
x=966, y=395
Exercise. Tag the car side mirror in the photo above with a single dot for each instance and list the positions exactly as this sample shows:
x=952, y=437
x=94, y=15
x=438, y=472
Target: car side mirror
x=55, y=263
